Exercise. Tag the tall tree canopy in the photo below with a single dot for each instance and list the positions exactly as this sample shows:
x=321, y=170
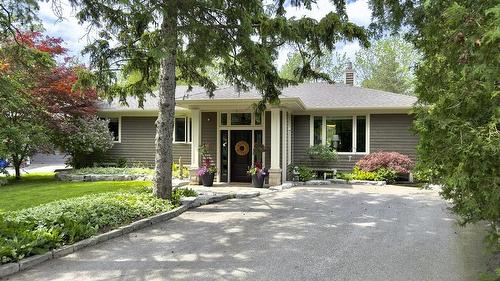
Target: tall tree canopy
x=388, y=65
x=458, y=89
x=162, y=41
x=331, y=63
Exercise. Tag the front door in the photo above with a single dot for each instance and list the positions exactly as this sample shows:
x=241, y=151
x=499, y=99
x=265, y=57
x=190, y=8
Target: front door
x=241, y=155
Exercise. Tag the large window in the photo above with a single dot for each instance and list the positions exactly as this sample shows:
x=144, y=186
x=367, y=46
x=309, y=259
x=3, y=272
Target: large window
x=345, y=134
x=339, y=134
x=182, y=129
x=240, y=119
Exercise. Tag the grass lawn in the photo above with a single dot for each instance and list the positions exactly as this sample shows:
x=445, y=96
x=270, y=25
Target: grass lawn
x=36, y=189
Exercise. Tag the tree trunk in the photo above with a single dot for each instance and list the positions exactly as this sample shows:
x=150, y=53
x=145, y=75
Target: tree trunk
x=166, y=104
x=16, y=162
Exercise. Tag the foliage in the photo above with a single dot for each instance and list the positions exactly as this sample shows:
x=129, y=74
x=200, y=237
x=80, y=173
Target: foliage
x=43, y=228
x=112, y=171
x=303, y=172
x=322, y=152
x=161, y=42
x=381, y=174
x=86, y=142
x=258, y=170
x=39, y=188
x=392, y=160
x=121, y=162
x=178, y=193
x=332, y=64
x=386, y=174
x=388, y=65
x=458, y=98
x=177, y=173
x=207, y=165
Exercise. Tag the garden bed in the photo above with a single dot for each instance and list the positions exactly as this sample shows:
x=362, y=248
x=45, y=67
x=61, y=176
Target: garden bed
x=112, y=174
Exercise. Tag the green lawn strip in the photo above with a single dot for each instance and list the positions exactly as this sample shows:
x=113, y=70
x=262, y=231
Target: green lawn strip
x=36, y=189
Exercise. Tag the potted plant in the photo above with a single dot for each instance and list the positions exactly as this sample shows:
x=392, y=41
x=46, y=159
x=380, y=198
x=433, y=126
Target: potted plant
x=207, y=171
x=258, y=174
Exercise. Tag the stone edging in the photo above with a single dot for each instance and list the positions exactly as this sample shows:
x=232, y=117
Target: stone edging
x=186, y=203
x=64, y=176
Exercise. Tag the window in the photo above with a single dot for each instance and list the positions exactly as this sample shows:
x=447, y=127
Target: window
x=241, y=119
x=361, y=134
x=223, y=119
x=114, y=128
x=318, y=130
x=339, y=134
x=182, y=129
x=258, y=118
x=344, y=134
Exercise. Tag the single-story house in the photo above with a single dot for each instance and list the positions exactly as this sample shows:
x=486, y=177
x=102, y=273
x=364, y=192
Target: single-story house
x=355, y=120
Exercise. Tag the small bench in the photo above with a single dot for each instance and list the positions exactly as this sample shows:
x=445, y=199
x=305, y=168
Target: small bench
x=325, y=171
x=107, y=164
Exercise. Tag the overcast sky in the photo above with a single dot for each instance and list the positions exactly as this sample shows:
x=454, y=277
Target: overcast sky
x=75, y=37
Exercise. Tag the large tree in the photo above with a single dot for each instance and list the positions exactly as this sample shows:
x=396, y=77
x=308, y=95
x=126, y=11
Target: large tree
x=458, y=90
x=162, y=41
x=388, y=65
x=331, y=63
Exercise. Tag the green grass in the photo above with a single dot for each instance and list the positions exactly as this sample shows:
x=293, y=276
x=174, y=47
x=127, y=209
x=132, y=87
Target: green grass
x=36, y=189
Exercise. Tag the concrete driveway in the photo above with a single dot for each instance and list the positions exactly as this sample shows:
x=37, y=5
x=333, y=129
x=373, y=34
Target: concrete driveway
x=323, y=233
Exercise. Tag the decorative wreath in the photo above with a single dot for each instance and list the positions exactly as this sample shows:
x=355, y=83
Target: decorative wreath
x=242, y=148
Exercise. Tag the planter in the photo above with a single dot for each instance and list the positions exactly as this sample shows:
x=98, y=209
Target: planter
x=208, y=179
x=257, y=181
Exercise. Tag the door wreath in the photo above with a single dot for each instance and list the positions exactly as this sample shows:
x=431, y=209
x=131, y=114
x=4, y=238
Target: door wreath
x=242, y=148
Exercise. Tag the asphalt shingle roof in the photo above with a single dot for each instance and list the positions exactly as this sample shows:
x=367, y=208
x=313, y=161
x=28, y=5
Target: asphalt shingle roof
x=314, y=96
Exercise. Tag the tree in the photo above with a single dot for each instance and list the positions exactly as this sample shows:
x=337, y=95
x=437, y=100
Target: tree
x=37, y=95
x=388, y=65
x=168, y=40
x=333, y=64
x=458, y=94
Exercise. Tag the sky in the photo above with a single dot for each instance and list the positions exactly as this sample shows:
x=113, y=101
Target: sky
x=76, y=36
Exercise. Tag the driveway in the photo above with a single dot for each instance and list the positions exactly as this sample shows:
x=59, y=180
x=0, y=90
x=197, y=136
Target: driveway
x=310, y=233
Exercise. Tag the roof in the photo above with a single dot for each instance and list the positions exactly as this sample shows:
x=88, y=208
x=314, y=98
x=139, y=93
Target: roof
x=313, y=96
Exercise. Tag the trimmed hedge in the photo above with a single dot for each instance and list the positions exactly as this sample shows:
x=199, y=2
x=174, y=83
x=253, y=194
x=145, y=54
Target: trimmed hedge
x=43, y=228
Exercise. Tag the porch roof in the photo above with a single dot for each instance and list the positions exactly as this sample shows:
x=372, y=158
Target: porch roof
x=307, y=96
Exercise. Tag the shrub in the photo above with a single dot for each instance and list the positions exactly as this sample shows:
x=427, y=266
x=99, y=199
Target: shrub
x=177, y=173
x=121, y=162
x=182, y=192
x=358, y=174
x=86, y=141
x=304, y=173
x=385, y=174
x=322, y=152
x=40, y=229
x=390, y=160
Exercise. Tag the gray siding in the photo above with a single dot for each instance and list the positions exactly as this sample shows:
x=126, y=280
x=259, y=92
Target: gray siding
x=209, y=133
x=138, y=143
x=391, y=132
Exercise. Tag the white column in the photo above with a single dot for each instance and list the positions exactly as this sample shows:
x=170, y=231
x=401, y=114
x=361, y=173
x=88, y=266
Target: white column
x=195, y=143
x=275, y=171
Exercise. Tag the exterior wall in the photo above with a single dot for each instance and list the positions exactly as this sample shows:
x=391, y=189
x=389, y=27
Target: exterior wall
x=138, y=143
x=388, y=132
x=391, y=132
x=209, y=133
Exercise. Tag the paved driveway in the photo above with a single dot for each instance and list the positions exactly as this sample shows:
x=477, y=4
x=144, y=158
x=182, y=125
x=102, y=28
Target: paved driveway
x=324, y=233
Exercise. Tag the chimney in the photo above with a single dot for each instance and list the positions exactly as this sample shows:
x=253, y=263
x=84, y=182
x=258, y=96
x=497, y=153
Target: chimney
x=349, y=75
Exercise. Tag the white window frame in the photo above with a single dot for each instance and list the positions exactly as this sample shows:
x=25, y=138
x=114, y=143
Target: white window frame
x=228, y=121
x=187, y=127
x=354, y=132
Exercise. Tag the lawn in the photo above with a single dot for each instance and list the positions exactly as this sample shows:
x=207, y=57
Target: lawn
x=37, y=189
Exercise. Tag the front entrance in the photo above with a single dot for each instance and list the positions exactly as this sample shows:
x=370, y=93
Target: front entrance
x=241, y=155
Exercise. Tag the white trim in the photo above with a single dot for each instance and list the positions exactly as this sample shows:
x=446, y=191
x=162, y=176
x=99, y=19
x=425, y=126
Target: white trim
x=289, y=138
x=284, y=124
x=367, y=144
x=195, y=137
x=275, y=138
x=311, y=132
x=354, y=134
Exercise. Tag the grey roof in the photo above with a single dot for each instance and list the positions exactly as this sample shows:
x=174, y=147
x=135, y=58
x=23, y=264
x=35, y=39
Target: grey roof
x=313, y=95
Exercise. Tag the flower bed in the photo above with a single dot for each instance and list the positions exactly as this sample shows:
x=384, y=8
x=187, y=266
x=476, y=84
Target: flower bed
x=43, y=228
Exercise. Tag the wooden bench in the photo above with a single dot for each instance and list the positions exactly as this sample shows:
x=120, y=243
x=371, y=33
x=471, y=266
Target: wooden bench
x=325, y=171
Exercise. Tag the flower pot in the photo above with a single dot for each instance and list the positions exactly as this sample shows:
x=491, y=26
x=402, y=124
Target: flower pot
x=258, y=181
x=207, y=179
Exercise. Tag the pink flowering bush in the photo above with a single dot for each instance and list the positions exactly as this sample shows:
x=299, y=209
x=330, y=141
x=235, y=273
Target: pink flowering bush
x=390, y=160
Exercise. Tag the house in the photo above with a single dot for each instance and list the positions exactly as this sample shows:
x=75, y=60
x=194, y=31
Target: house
x=355, y=120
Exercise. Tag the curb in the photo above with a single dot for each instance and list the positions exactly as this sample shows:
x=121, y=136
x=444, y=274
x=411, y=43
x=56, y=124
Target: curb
x=11, y=268
x=186, y=203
